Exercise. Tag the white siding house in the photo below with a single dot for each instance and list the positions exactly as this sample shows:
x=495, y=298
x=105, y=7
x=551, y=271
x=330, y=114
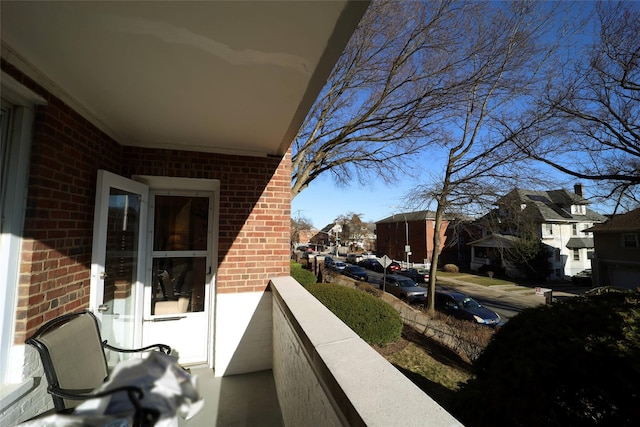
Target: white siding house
x=559, y=217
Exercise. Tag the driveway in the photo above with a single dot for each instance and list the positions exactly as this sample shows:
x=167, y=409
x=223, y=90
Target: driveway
x=509, y=300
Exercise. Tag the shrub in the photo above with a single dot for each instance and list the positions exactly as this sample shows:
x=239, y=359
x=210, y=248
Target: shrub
x=304, y=277
x=372, y=319
x=573, y=363
x=451, y=268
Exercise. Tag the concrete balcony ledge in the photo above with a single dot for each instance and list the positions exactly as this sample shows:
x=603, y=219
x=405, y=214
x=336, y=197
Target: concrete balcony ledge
x=326, y=375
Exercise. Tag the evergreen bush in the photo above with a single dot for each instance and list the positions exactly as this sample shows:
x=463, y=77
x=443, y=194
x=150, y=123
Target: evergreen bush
x=574, y=363
x=304, y=277
x=372, y=319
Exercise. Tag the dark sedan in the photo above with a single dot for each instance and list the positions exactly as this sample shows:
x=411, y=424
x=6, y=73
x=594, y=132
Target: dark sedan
x=371, y=264
x=582, y=278
x=355, y=272
x=464, y=307
x=405, y=289
x=419, y=275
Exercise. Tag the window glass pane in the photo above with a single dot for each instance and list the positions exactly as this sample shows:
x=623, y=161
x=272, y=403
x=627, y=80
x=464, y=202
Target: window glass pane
x=630, y=240
x=178, y=285
x=180, y=223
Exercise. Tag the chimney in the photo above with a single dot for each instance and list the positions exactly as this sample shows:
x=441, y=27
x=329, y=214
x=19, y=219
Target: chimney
x=578, y=190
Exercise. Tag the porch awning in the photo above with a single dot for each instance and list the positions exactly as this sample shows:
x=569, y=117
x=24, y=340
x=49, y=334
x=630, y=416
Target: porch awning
x=580, y=242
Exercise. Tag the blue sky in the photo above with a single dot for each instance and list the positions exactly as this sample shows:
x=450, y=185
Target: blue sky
x=323, y=201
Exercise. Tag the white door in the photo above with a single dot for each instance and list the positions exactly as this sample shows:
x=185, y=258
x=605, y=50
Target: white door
x=118, y=259
x=178, y=281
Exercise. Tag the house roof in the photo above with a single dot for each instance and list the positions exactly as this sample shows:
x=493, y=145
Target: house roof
x=580, y=242
x=552, y=205
x=629, y=221
x=495, y=241
x=208, y=76
x=409, y=216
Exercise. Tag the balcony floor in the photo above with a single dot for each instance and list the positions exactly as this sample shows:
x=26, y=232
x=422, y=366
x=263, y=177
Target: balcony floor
x=236, y=401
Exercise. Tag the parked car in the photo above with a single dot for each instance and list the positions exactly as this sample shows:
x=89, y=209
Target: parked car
x=418, y=275
x=371, y=264
x=328, y=261
x=583, y=277
x=308, y=254
x=405, y=289
x=394, y=267
x=462, y=306
x=354, y=258
x=338, y=265
x=355, y=272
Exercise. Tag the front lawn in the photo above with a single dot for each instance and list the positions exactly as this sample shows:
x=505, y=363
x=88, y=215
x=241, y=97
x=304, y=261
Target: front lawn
x=482, y=280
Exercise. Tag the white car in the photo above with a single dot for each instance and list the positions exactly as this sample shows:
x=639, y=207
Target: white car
x=354, y=258
x=338, y=265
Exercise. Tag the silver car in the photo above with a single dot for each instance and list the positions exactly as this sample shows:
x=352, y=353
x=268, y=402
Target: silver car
x=405, y=289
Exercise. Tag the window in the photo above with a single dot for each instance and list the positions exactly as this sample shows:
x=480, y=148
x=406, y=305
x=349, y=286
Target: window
x=549, y=228
x=16, y=118
x=578, y=209
x=574, y=229
x=590, y=253
x=630, y=240
x=576, y=254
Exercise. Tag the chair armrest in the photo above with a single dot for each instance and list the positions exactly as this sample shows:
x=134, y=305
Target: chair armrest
x=162, y=348
x=143, y=417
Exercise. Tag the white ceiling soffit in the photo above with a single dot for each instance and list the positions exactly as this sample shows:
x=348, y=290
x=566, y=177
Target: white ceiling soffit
x=228, y=77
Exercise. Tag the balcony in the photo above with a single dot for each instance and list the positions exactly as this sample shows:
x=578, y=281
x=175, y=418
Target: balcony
x=322, y=374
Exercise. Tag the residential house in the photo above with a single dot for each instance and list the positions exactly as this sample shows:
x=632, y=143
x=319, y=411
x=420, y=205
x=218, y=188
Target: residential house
x=346, y=238
x=616, y=261
x=408, y=236
x=560, y=218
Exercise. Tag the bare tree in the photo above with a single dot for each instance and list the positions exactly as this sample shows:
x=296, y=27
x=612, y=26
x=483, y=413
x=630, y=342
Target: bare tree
x=593, y=108
x=298, y=224
x=353, y=228
x=503, y=62
x=387, y=88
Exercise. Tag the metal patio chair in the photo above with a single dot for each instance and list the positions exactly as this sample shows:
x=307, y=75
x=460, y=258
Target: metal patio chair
x=73, y=356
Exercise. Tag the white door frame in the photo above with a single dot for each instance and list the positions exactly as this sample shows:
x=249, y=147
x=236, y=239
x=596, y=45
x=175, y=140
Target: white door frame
x=163, y=183
x=105, y=181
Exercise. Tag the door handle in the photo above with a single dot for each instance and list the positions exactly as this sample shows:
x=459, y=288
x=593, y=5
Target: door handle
x=103, y=307
x=164, y=319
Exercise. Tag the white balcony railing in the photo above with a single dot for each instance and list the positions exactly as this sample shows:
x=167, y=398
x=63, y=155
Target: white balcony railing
x=326, y=375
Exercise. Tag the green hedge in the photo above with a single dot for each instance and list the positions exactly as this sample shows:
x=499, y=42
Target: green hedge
x=372, y=319
x=305, y=277
x=572, y=363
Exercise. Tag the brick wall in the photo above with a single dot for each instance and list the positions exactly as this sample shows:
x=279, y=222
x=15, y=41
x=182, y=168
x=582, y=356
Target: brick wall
x=68, y=150
x=255, y=209
x=391, y=239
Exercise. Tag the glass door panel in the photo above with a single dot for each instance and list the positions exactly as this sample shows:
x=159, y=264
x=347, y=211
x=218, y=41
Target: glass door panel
x=175, y=303
x=117, y=265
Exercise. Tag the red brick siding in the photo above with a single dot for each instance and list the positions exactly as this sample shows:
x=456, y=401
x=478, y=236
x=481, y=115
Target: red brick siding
x=68, y=150
x=255, y=206
x=391, y=240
